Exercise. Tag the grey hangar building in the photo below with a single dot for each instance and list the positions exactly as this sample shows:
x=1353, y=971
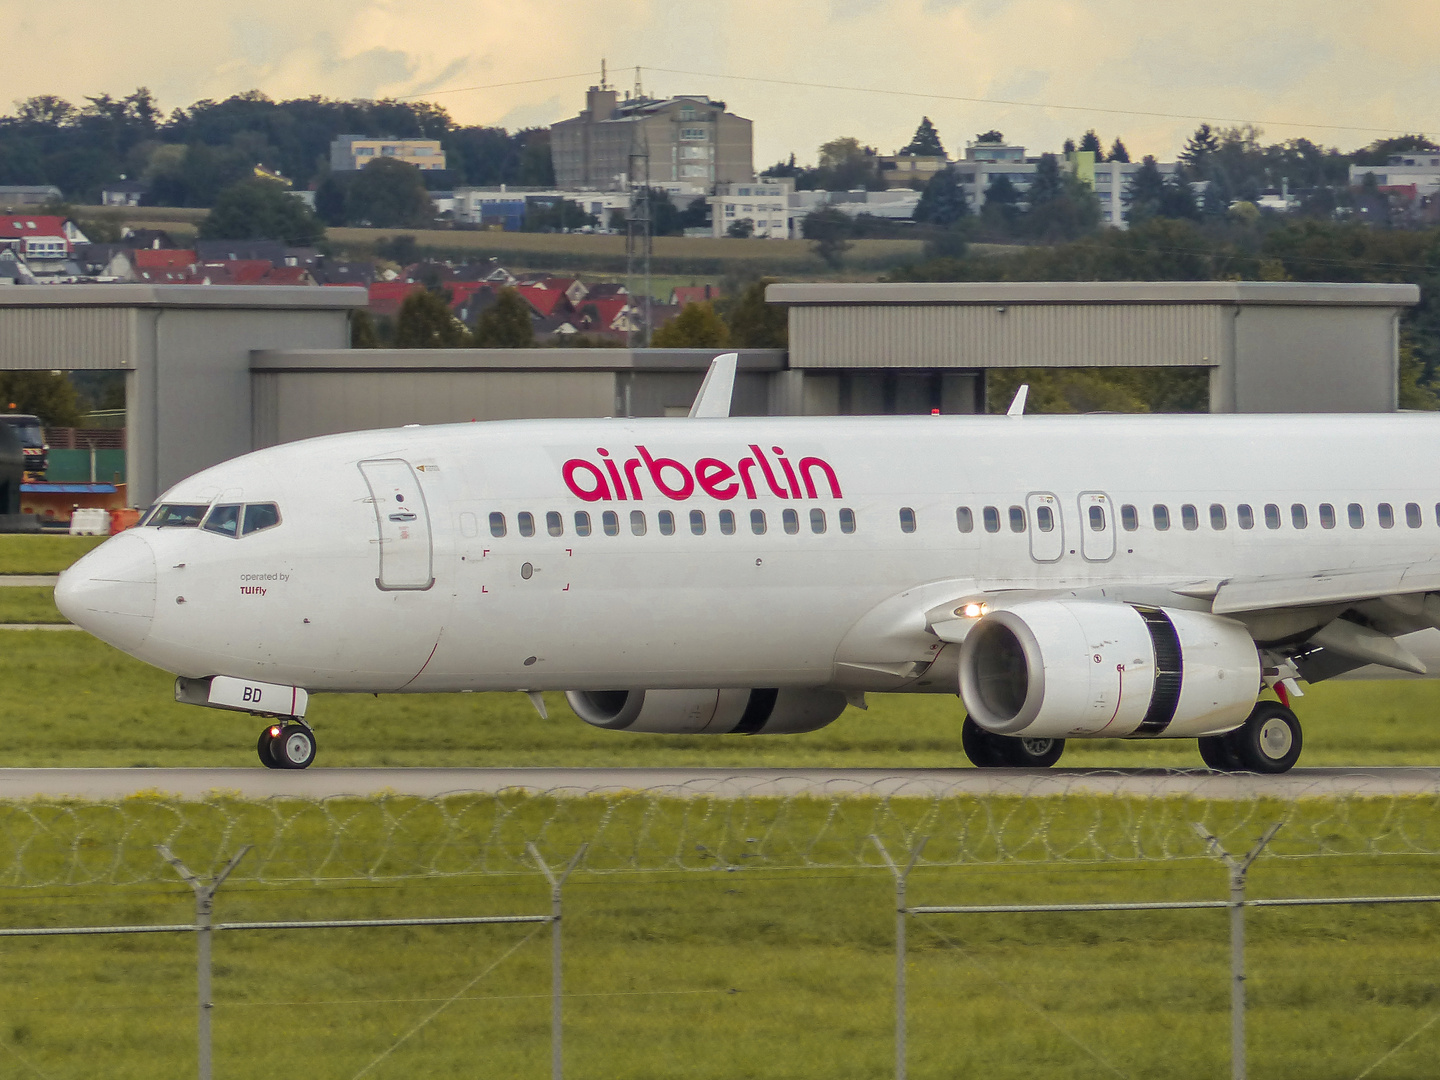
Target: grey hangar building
x=212, y=372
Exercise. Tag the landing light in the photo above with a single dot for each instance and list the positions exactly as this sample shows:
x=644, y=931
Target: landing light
x=274, y=732
x=972, y=610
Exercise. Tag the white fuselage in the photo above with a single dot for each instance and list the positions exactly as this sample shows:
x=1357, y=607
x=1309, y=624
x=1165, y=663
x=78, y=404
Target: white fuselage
x=308, y=602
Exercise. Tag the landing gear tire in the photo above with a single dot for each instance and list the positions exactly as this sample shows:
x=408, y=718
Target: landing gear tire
x=987, y=750
x=1269, y=741
x=287, y=746
x=1216, y=753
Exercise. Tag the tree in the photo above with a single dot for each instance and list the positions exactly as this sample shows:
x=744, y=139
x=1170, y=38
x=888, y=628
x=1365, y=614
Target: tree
x=830, y=230
x=1146, y=192
x=991, y=136
x=330, y=201
x=561, y=215
x=1001, y=209
x=740, y=229
x=505, y=324
x=696, y=215
x=261, y=210
x=1199, y=149
x=698, y=326
x=755, y=324
x=943, y=201
x=1091, y=142
x=1118, y=152
x=46, y=394
x=1068, y=147
x=845, y=165
x=926, y=141
x=664, y=217
x=426, y=322
x=388, y=194
x=362, y=330
x=1062, y=207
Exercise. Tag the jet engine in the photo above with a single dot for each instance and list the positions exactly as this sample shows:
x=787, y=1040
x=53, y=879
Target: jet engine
x=708, y=712
x=1103, y=669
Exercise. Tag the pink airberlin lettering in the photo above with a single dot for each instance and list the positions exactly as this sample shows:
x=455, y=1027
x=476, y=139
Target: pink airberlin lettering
x=753, y=477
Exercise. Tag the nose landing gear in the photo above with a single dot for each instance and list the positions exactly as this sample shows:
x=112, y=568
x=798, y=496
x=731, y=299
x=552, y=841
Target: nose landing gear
x=286, y=745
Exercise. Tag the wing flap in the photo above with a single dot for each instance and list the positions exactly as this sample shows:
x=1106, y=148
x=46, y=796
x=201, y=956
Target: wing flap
x=1241, y=595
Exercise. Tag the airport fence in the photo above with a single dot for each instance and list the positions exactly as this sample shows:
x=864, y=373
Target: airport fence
x=690, y=830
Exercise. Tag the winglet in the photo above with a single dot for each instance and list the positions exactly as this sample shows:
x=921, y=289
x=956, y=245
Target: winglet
x=1017, y=407
x=715, y=392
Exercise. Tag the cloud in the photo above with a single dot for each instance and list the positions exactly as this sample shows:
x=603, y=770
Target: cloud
x=1288, y=60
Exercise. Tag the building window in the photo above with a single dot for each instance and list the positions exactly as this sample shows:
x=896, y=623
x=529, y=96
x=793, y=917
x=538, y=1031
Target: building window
x=692, y=134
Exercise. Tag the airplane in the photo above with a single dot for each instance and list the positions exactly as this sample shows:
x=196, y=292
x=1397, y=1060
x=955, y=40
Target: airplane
x=1068, y=577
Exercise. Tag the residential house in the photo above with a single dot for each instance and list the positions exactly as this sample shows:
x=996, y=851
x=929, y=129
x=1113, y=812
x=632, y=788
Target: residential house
x=682, y=295
x=42, y=238
x=14, y=196
x=387, y=296
x=148, y=238
x=122, y=192
x=545, y=302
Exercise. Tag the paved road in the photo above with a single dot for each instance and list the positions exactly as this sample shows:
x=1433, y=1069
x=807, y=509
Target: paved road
x=30, y=580
x=321, y=782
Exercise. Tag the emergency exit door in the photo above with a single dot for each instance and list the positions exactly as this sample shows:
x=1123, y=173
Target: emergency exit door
x=1097, y=526
x=1047, y=534
x=403, y=520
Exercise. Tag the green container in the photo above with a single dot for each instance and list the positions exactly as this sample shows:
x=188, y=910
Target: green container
x=73, y=467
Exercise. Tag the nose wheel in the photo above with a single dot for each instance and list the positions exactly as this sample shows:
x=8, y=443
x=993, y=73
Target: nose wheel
x=289, y=745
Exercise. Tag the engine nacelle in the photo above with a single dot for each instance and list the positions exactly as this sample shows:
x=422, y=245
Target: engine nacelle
x=708, y=712
x=1103, y=669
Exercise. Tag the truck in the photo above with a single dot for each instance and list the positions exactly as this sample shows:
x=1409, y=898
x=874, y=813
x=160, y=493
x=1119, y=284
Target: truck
x=31, y=434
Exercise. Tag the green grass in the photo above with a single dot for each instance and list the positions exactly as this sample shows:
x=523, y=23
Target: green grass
x=86, y=704
x=756, y=973
x=42, y=554
x=29, y=604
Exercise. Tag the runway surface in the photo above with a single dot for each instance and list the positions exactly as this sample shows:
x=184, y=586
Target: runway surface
x=28, y=580
x=259, y=783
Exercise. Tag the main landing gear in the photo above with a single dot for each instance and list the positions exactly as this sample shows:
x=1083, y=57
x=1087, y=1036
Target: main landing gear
x=989, y=751
x=1268, y=742
x=286, y=744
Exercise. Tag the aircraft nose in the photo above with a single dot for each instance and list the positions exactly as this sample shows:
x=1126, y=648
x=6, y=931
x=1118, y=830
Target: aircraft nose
x=111, y=591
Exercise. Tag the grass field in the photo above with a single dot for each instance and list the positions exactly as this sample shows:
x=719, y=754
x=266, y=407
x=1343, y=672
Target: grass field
x=41, y=554
x=757, y=973
x=29, y=604
x=85, y=704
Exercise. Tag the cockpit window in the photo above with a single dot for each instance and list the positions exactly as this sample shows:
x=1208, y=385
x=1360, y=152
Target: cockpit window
x=178, y=515
x=260, y=516
x=224, y=519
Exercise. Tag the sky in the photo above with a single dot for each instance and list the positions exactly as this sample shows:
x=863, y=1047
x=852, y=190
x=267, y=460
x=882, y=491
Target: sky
x=1291, y=66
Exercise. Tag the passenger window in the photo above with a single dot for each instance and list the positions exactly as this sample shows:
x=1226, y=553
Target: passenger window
x=792, y=521
x=526, y=521
x=965, y=520
x=1412, y=515
x=1298, y=517
x=847, y=520
x=1217, y=517
x=224, y=520
x=1017, y=519
x=1244, y=516
x=1045, y=518
x=1357, y=515
x=582, y=523
x=1097, y=519
x=260, y=516
x=727, y=522
x=1386, y=515
x=179, y=515
x=554, y=524
x=1129, y=518
x=497, y=524
x=697, y=522
x=992, y=519
x=1272, y=516
x=817, y=520
x=1162, y=517
x=907, y=520
x=757, y=522
x=667, y=522
x=1327, y=516
x=1189, y=517
x=610, y=520
x=637, y=522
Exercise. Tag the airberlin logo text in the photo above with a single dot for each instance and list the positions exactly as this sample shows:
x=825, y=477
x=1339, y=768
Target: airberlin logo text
x=753, y=477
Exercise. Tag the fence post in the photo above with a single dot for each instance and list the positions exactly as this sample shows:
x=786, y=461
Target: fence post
x=557, y=1046
x=901, y=912
x=204, y=908
x=1238, y=869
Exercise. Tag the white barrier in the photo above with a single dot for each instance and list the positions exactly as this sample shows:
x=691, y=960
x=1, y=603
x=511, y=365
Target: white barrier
x=90, y=522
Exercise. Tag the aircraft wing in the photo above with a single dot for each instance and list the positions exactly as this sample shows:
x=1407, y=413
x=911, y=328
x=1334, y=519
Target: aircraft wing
x=1239, y=595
